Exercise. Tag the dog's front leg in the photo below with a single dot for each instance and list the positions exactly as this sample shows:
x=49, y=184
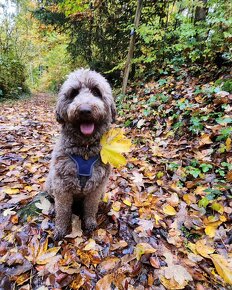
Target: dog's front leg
x=91, y=203
x=63, y=208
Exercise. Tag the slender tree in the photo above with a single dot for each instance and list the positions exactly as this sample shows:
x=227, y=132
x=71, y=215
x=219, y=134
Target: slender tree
x=131, y=46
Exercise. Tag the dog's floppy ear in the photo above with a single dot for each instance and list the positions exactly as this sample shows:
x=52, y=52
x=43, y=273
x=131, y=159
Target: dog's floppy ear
x=113, y=112
x=59, y=119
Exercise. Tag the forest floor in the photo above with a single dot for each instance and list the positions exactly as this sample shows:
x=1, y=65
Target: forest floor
x=165, y=220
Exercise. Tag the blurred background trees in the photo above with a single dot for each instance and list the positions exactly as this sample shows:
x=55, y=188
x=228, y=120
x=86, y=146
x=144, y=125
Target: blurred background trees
x=40, y=42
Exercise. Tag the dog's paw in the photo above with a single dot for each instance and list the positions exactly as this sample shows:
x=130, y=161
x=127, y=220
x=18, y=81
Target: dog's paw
x=59, y=233
x=90, y=224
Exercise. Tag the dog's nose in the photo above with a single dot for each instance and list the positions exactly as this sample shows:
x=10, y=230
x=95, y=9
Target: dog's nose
x=85, y=110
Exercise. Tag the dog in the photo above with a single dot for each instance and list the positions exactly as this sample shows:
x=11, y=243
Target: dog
x=85, y=109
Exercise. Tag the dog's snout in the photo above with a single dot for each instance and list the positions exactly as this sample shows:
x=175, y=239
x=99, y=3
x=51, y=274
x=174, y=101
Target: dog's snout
x=85, y=110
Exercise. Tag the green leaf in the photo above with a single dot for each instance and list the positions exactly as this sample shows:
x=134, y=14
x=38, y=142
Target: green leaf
x=206, y=167
x=224, y=120
x=203, y=202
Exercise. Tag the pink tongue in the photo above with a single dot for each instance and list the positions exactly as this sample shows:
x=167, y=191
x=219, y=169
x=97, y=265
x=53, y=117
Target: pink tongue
x=87, y=128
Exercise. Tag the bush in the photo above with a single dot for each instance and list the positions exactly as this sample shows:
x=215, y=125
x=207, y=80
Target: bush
x=12, y=77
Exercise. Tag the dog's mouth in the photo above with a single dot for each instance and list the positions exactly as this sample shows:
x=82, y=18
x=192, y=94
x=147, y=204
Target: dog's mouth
x=87, y=129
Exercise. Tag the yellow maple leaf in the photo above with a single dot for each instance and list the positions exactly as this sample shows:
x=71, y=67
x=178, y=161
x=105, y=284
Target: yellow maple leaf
x=45, y=257
x=39, y=253
x=222, y=267
x=114, y=143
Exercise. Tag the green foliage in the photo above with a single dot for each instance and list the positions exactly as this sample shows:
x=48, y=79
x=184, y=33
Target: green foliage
x=12, y=69
x=227, y=86
x=205, y=167
x=53, y=69
x=169, y=32
x=224, y=133
x=211, y=195
x=96, y=34
x=12, y=77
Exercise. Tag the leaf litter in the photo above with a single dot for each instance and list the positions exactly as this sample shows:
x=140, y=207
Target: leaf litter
x=165, y=220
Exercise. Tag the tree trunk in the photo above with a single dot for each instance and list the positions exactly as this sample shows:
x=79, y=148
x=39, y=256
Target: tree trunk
x=201, y=12
x=131, y=46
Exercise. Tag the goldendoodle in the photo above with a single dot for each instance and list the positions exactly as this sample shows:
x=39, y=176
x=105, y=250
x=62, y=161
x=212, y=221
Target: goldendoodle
x=85, y=109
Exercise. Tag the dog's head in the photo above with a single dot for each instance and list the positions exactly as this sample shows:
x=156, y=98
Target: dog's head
x=85, y=102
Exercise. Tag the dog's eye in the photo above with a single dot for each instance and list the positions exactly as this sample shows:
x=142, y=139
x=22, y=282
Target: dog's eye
x=96, y=92
x=73, y=93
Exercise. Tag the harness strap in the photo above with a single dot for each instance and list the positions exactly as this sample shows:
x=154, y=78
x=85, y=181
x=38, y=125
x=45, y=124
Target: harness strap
x=84, y=167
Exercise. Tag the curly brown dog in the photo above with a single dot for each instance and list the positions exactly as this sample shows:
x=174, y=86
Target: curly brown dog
x=85, y=109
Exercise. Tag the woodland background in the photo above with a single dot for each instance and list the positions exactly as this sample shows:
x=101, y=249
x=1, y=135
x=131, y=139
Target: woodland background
x=40, y=42
x=165, y=220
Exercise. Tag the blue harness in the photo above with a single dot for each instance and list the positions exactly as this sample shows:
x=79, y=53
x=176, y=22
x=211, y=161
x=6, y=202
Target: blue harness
x=84, y=167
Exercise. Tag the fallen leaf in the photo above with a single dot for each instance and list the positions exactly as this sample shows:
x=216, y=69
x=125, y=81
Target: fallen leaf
x=116, y=206
x=205, y=139
x=146, y=225
x=175, y=276
x=140, y=123
x=143, y=248
x=173, y=200
x=169, y=210
x=155, y=262
x=44, y=257
x=189, y=198
x=138, y=179
x=223, y=268
x=9, y=211
x=39, y=252
x=44, y=204
x=90, y=245
x=228, y=144
x=109, y=263
x=171, y=284
x=203, y=249
x=178, y=272
x=11, y=190
x=127, y=202
x=105, y=282
x=210, y=230
x=118, y=245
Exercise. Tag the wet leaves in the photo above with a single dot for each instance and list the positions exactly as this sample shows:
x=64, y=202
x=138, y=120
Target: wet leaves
x=165, y=220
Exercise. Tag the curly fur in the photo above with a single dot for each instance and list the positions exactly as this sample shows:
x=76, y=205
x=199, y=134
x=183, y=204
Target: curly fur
x=83, y=91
